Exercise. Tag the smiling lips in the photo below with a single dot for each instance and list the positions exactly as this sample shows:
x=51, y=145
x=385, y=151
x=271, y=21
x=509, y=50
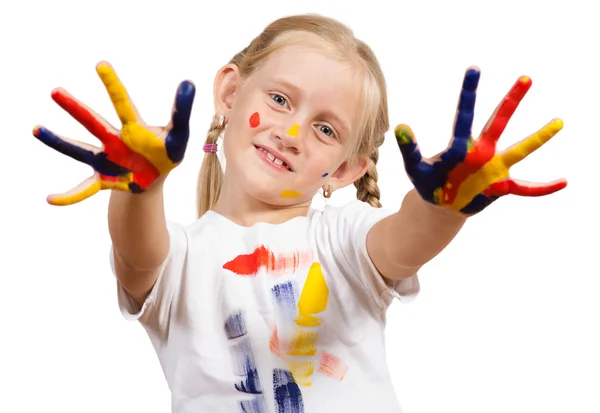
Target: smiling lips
x=278, y=161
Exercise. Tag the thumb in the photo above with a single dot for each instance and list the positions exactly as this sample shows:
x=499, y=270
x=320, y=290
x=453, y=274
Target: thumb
x=177, y=139
x=408, y=148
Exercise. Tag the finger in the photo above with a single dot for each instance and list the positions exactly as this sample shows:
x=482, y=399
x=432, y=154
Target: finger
x=408, y=148
x=93, y=122
x=522, y=188
x=118, y=94
x=527, y=146
x=504, y=111
x=177, y=139
x=81, y=192
x=463, y=122
x=79, y=151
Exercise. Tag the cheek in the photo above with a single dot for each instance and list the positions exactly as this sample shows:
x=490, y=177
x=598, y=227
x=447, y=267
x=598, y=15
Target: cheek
x=254, y=120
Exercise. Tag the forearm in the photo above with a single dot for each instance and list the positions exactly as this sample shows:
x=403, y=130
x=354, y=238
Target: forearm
x=138, y=228
x=420, y=231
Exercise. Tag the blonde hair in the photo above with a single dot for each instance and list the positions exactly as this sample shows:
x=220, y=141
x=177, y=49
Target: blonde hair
x=339, y=40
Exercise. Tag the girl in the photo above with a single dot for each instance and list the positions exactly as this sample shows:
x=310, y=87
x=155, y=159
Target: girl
x=264, y=304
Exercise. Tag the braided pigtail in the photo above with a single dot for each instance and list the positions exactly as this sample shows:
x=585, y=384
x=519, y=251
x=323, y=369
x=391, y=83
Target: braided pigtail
x=210, y=177
x=367, y=189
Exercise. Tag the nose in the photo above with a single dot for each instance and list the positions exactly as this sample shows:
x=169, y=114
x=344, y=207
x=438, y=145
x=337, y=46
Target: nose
x=289, y=136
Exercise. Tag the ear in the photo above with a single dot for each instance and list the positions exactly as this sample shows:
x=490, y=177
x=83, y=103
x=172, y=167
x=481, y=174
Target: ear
x=224, y=88
x=348, y=172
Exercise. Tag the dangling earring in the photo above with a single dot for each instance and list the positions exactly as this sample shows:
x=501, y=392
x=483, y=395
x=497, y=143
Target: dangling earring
x=327, y=192
x=221, y=122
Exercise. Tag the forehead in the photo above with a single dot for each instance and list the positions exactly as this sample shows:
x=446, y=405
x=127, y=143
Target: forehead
x=324, y=82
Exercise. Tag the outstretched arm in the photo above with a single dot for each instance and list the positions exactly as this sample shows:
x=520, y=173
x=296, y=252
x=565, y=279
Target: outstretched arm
x=133, y=162
x=461, y=181
x=402, y=243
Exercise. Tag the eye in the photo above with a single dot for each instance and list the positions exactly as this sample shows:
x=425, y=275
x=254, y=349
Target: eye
x=326, y=130
x=278, y=99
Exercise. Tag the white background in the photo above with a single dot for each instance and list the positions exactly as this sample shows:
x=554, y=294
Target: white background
x=507, y=320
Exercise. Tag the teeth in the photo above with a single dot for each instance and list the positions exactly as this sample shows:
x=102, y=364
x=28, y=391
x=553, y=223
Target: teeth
x=275, y=160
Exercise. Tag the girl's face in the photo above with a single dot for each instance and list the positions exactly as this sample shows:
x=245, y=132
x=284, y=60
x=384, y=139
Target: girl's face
x=291, y=126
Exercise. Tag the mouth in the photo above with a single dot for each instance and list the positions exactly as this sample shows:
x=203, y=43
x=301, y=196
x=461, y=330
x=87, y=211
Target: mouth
x=275, y=158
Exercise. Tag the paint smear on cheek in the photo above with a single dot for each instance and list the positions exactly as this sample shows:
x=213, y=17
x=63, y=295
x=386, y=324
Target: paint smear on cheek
x=293, y=131
x=288, y=193
x=254, y=120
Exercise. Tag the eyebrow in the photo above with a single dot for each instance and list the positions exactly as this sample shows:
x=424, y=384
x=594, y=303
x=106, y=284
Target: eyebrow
x=286, y=83
x=339, y=123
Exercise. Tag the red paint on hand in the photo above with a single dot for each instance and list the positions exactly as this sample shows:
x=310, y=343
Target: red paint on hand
x=510, y=186
x=144, y=173
x=484, y=148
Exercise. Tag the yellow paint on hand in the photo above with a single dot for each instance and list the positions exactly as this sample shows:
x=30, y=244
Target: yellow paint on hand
x=141, y=140
x=532, y=143
x=491, y=172
x=293, y=131
x=288, y=193
x=117, y=93
x=313, y=298
x=497, y=168
x=135, y=136
x=85, y=190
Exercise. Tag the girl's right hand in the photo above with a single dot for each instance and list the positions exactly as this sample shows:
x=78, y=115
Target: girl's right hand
x=131, y=159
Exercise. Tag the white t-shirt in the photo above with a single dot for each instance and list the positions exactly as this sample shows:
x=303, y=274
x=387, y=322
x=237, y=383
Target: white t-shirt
x=282, y=318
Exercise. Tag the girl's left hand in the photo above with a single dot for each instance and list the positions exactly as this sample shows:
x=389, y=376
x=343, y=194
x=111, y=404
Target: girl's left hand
x=469, y=175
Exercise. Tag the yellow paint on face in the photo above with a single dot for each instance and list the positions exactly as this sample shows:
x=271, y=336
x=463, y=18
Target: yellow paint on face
x=293, y=131
x=313, y=298
x=288, y=193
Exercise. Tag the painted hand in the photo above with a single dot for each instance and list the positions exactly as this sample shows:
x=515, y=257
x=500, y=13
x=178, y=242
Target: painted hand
x=469, y=175
x=131, y=159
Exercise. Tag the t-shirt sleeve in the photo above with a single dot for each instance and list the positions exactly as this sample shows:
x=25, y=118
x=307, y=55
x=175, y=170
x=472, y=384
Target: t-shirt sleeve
x=352, y=224
x=155, y=312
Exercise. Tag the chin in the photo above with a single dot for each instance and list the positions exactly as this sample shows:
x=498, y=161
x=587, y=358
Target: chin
x=270, y=191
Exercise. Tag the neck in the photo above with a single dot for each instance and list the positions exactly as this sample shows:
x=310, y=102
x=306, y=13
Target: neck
x=238, y=206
